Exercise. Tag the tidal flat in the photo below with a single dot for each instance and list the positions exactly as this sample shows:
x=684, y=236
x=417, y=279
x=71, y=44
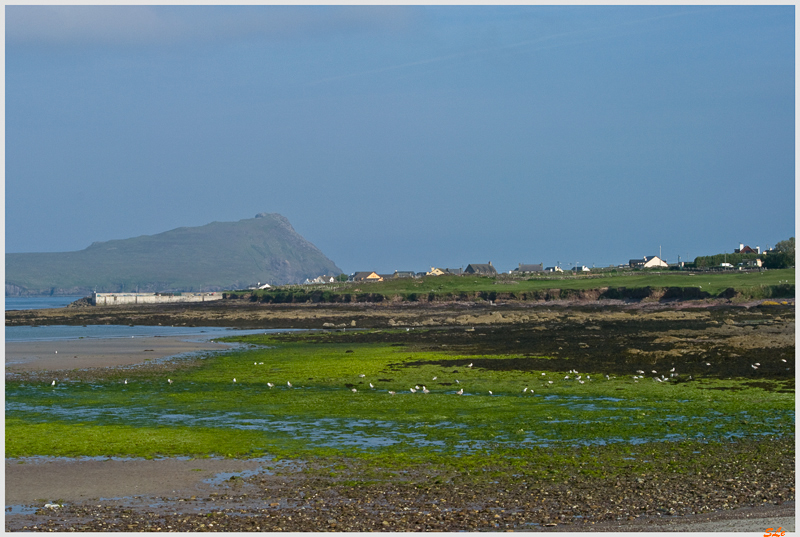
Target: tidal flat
x=571, y=416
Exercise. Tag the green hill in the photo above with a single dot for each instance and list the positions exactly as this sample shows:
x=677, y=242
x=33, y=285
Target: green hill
x=217, y=256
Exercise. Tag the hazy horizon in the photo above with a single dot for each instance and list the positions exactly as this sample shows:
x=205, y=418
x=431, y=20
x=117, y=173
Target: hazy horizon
x=405, y=137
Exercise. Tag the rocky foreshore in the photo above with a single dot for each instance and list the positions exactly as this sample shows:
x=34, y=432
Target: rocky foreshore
x=319, y=499
x=245, y=314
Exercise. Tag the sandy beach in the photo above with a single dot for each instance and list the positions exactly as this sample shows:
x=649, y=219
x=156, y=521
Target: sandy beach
x=85, y=353
x=30, y=480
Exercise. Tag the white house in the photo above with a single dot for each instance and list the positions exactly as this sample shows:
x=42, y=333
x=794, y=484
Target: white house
x=652, y=261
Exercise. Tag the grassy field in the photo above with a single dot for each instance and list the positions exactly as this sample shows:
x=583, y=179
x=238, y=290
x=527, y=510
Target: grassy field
x=767, y=284
x=330, y=409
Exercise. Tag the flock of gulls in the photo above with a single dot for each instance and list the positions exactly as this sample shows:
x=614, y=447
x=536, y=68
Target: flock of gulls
x=640, y=374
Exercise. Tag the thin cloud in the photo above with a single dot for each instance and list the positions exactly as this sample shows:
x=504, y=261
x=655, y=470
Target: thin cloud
x=547, y=43
x=147, y=25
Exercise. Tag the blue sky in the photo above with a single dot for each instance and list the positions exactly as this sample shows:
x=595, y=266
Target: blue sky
x=405, y=137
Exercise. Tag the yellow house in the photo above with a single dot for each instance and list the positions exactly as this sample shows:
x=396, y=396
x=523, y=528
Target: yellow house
x=366, y=277
x=434, y=272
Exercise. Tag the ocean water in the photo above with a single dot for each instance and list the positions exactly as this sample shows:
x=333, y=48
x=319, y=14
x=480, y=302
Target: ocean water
x=106, y=331
x=38, y=302
x=59, y=332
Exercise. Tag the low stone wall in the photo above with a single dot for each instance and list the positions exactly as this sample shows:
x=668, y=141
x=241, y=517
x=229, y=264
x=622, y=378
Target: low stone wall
x=114, y=299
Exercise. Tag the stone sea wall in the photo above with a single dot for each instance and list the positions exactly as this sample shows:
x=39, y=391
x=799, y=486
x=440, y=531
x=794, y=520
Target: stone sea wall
x=113, y=299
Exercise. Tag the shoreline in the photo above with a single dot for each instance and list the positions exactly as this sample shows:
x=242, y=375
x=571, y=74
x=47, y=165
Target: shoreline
x=69, y=354
x=247, y=315
x=130, y=494
x=101, y=494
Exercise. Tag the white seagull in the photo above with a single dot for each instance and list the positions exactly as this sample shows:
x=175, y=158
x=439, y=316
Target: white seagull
x=288, y=383
x=460, y=392
x=270, y=384
x=53, y=383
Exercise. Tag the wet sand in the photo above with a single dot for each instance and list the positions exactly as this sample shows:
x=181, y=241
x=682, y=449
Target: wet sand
x=31, y=480
x=84, y=353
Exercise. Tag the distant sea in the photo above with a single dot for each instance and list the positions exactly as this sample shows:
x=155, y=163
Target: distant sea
x=106, y=331
x=38, y=302
x=48, y=333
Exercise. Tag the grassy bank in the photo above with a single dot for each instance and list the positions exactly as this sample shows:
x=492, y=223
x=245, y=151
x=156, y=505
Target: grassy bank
x=607, y=285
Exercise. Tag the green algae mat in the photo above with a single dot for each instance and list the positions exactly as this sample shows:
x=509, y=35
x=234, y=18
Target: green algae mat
x=431, y=394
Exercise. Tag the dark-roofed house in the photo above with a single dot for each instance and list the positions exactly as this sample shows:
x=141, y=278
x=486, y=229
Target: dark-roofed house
x=366, y=277
x=742, y=249
x=453, y=271
x=527, y=269
x=481, y=269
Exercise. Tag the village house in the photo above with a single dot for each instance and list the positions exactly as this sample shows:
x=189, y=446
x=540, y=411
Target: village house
x=481, y=269
x=434, y=272
x=321, y=279
x=750, y=263
x=366, y=277
x=742, y=249
x=553, y=269
x=528, y=269
x=652, y=261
